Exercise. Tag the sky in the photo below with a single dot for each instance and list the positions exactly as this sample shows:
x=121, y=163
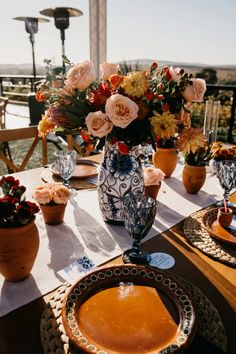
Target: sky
x=190, y=31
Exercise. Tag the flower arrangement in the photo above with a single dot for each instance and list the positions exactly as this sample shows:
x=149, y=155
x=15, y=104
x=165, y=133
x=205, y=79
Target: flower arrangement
x=51, y=194
x=139, y=107
x=195, y=147
x=221, y=152
x=14, y=209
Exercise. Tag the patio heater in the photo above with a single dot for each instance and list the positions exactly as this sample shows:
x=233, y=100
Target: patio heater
x=62, y=21
x=31, y=27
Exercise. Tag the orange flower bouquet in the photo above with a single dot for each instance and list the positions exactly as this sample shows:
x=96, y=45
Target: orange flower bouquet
x=135, y=108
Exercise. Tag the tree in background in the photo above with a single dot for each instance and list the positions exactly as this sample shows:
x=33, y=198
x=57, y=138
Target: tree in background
x=209, y=75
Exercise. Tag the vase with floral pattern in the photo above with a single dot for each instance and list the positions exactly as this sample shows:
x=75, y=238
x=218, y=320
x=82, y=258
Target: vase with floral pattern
x=119, y=174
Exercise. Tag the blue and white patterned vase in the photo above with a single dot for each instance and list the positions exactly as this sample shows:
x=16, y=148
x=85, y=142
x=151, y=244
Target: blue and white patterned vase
x=119, y=174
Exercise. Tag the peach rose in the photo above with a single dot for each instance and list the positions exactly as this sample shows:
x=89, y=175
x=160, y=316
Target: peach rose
x=42, y=195
x=121, y=110
x=195, y=92
x=80, y=76
x=185, y=117
x=60, y=194
x=152, y=176
x=98, y=124
x=108, y=70
x=175, y=73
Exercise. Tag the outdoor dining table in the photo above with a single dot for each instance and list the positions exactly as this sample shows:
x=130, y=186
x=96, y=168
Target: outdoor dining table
x=84, y=233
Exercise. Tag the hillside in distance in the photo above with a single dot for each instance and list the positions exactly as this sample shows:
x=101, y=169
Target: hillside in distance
x=225, y=73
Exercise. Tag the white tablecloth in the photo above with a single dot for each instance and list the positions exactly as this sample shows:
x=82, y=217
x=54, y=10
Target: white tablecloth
x=84, y=233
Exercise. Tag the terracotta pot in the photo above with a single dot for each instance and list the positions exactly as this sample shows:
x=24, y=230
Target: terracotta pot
x=53, y=214
x=166, y=160
x=152, y=191
x=193, y=178
x=225, y=218
x=18, y=250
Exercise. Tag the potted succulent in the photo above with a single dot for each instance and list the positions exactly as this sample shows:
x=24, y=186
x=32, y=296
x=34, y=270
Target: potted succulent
x=152, y=181
x=52, y=199
x=197, y=153
x=19, y=238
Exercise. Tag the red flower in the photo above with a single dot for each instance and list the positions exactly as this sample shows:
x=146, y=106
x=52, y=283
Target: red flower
x=100, y=96
x=150, y=96
x=123, y=148
x=13, y=210
x=154, y=65
x=167, y=74
x=160, y=97
x=85, y=136
x=165, y=107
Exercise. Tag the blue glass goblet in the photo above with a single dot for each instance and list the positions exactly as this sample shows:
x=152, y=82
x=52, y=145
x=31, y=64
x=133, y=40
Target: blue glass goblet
x=139, y=214
x=65, y=162
x=226, y=174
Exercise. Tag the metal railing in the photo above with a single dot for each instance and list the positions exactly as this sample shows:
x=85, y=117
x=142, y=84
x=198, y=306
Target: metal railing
x=18, y=87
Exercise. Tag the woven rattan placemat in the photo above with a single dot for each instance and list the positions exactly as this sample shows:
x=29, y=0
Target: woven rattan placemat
x=77, y=183
x=55, y=341
x=201, y=239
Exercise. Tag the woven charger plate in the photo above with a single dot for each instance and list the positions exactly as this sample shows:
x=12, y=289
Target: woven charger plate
x=77, y=183
x=200, y=238
x=55, y=341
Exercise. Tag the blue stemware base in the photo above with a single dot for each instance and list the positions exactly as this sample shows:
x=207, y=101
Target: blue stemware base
x=136, y=256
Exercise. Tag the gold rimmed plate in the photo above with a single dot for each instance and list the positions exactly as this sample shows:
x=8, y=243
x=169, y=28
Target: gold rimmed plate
x=210, y=223
x=83, y=169
x=129, y=309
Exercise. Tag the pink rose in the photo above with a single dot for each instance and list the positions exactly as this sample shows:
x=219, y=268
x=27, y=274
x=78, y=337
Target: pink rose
x=42, y=195
x=195, y=92
x=121, y=110
x=185, y=117
x=60, y=194
x=80, y=76
x=152, y=176
x=175, y=73
x=108, y=70
x=98, y=124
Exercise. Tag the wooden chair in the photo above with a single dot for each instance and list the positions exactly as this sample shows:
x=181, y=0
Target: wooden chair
x=7, y=135
x=4, y=146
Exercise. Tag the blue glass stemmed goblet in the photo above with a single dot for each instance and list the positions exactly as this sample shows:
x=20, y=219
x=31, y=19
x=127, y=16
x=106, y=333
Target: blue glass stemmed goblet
x=65, y=162
x=139, y=214
x=226, y=174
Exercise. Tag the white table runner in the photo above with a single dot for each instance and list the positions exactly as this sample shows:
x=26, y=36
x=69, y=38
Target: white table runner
x=84, y=233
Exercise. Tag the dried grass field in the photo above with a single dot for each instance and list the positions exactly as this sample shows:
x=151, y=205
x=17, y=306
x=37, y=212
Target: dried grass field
x=18, y=151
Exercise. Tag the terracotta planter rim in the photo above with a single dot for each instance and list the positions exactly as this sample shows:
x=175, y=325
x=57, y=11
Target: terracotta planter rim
x=194, y=165
x=163, y=148
x=20, y=225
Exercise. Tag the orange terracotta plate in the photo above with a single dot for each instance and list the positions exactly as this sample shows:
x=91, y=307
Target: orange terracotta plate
x=210, y=223
x=83, y=169
x=128, y=309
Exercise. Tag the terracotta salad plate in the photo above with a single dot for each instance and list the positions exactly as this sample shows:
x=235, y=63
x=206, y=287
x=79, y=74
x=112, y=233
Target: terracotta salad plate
x=83, y=169
x=224, y=234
